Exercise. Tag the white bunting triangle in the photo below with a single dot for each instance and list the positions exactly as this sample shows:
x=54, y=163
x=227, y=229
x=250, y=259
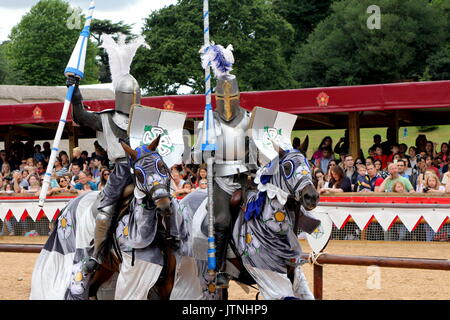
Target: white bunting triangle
x=50, y=210
x=385, y=217
x=3, y=212
x=436, y=217
x=410, y=217
x=360, y=216
x=339, y=216
x=33, y=211
x=17, y=212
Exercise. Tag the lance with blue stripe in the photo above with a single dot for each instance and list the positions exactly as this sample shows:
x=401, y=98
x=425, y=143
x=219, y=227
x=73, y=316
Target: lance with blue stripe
x=74, y=67
x=209, y=146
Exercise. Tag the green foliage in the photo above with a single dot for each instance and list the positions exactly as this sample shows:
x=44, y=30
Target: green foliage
x=100, y=27
x=303, y=15
x=342, y=50
x=4, y=65
x=175, y=33
x=41, y=46
x=439, y=64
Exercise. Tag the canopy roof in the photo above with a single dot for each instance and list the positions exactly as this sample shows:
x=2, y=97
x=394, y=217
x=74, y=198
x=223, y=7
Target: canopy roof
x=416, y=103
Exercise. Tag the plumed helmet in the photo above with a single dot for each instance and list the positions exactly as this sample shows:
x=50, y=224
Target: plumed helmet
x=127, y=93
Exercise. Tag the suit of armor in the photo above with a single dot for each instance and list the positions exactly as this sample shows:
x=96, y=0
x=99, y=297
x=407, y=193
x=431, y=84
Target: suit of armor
x=110, y=126
x=232, y=161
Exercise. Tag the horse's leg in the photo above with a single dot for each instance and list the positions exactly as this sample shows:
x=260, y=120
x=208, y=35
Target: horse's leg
x=134, y=282
x=300, y=285
x=100, y=277
x=166, y=286
x=273, y=285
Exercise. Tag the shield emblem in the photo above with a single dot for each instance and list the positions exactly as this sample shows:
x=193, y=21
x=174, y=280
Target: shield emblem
x=319, y=238
x=147, y=123
x=269, y=125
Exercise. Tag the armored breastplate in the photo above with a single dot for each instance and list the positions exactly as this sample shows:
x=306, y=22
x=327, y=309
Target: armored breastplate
x=230, y=156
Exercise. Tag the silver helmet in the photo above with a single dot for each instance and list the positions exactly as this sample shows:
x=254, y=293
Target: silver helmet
x=128, y=93
x=227, y=97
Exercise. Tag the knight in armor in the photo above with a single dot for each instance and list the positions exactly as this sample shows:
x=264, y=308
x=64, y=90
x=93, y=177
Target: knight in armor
x=233, y=163
x=111, y=126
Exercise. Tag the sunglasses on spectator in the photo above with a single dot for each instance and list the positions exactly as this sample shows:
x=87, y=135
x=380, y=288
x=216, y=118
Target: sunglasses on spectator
x=106, y=174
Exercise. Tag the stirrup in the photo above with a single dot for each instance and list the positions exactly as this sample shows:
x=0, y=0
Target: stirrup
x=90, y=266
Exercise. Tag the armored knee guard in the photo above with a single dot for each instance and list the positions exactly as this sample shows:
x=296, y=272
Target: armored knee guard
x=102, y=225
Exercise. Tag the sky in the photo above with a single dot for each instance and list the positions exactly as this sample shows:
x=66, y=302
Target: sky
x=129, y=11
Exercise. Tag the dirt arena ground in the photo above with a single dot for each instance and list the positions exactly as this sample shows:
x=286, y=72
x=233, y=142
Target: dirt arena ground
x=340, y=282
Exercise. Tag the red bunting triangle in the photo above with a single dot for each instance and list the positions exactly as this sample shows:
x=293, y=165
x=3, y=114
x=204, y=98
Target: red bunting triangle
x=40, y=215
x=9, y=215
x=56, y=214
x=24, y=216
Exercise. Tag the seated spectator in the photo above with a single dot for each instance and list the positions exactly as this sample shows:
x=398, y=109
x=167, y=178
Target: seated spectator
x=402, y=168
x=203, y=184
x=19, y=182
x=398, y=187
x=40, y=168
x=104, y=176
x=408, y=168
x=350, y=169
x=4, y=159
x=59, y=169
x=319, y=179
x=25, y=174
x=326, y=142
x=47, y=150
x=412, y=152
x=202, y=173
x=35, y=185
x=77, y=159
x=380, y=156
x=376, y=141
x=339, y=182
x=430, y=165
x=392, y=178
x=64, y=186
x=325, y=157
x=176, y=184
x=6, y=171
x=85, y=185
x=394, y=153
x=38, y=155
x=402, y=148
x=75, y=171
x=433, y=185
x=96, y=168
x=64, y=157
x=444, y=155
x=375, y=180
x=430, y=149
x=369, y=160
x=362, y=181
x=187, y=188
x=379, y=166
x=31, y=166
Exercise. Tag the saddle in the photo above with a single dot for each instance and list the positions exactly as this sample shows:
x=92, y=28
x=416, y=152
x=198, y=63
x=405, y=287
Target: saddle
x=125, y=200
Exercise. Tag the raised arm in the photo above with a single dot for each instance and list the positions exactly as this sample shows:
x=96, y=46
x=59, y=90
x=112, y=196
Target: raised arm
x=80, y=115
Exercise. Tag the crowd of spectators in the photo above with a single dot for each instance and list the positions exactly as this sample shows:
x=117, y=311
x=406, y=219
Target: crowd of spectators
x=23, y=168
x=388, y=167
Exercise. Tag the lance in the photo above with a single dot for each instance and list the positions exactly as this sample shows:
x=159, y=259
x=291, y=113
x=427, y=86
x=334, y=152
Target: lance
x=75, y=67
x=209, y=146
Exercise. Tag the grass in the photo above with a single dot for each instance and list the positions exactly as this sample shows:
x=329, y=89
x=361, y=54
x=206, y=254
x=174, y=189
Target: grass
x=442, y=134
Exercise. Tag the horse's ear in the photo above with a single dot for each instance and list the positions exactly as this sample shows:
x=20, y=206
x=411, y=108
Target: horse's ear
x=132, y=153
x=305, y=145
x=155, y=143
x=278, y=149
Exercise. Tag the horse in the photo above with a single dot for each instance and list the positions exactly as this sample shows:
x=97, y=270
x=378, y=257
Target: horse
x=58, y=271
x=264, y=247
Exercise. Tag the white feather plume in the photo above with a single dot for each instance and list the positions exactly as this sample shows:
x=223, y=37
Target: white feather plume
x=221, y=59
x=121, y=54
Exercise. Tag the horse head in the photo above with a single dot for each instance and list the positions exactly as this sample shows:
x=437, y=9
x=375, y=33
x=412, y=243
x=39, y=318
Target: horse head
x=291, y=173
x=151, y=174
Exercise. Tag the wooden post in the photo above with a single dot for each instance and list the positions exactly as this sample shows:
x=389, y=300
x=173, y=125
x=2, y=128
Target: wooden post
x=9, y=139
x=73, y=137
x=318, y=282
x=354, y=136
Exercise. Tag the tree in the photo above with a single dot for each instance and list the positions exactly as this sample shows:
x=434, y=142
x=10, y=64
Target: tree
x=175, y=34
x=41, y=45
x=342, y=50
x=303, y=15
x=4, y=66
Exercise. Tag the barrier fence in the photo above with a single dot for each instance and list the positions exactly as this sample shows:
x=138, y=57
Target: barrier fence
x=318, y=262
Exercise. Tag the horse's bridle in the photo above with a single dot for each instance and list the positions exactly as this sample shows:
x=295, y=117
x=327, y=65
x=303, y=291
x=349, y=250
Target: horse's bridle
x=156, y=186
